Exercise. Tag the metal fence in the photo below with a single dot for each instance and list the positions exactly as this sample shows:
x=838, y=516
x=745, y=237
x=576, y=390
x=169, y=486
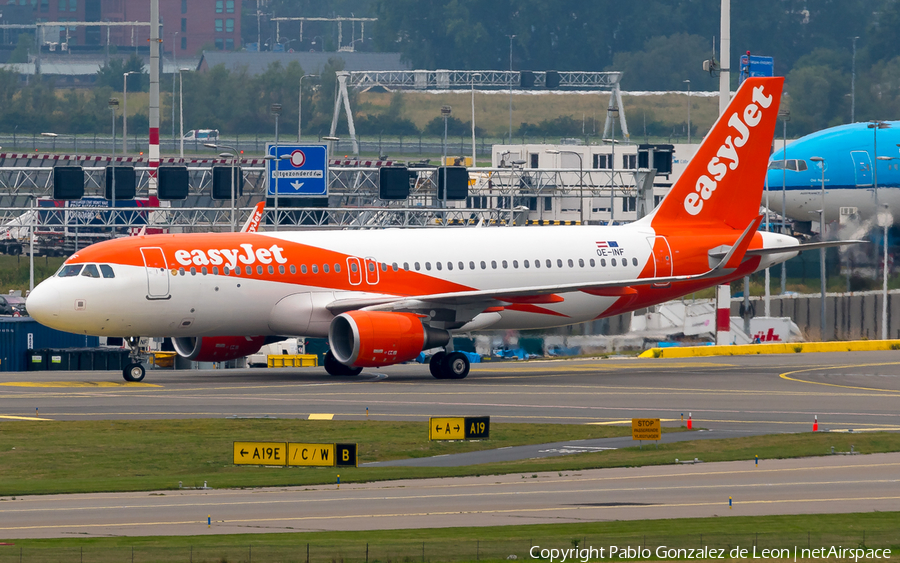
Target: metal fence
x=581, y=548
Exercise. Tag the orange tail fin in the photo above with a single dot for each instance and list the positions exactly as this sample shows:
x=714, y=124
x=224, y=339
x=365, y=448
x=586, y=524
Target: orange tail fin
x=723, y=182
x=252, y=224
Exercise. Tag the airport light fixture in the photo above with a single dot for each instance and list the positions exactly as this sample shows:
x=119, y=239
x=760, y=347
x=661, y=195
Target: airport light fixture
x=580, y=179
x=181, y=110
x=445, y=113
x=821, y=211
x=474, y=76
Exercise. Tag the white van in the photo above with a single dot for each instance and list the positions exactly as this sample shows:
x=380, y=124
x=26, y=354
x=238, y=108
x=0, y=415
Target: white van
x=202, y=135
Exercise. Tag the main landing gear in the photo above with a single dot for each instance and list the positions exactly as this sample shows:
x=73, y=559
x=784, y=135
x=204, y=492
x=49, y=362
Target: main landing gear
x=134, y=371
x=449, y=365
x=334, y=367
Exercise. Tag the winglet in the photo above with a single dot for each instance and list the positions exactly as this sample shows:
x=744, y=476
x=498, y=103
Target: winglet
x=735, y=256
x=252, y=224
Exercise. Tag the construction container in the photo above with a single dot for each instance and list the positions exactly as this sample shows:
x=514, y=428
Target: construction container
x=20, y=334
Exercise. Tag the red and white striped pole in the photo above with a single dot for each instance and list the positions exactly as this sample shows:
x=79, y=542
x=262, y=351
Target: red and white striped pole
x=723, y=315
x=154, y=94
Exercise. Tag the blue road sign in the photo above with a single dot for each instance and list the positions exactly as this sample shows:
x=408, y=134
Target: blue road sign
x=297, y=171
x=755, y=65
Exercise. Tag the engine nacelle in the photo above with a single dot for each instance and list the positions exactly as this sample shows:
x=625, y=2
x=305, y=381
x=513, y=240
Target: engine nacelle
x=217, y=348
x=374, y=339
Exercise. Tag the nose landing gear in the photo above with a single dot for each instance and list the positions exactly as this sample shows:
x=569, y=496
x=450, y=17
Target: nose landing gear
x=134, y=371
x=449, y=365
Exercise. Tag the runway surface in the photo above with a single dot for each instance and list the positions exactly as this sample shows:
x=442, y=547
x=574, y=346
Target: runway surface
x=833, y=484
x=740, y=394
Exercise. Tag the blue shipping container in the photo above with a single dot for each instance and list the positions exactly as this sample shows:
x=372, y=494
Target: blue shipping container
x=18, y=334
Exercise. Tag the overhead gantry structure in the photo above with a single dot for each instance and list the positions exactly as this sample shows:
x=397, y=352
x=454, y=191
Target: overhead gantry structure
x=418, y=80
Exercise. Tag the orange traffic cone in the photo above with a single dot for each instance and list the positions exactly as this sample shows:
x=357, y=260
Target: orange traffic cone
x=689, y=425
x=816, y=424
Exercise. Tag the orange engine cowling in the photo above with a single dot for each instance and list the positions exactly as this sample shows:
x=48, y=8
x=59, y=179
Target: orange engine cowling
x=373, y=339
x=217, y=348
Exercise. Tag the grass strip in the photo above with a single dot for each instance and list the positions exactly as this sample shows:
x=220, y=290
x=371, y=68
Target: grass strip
x=871, y=529
x=139, y=455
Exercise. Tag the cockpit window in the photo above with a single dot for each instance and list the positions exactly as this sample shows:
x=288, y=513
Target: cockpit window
x=90, y=271
x=795, y=164
x=70, y=270
x=107, y=271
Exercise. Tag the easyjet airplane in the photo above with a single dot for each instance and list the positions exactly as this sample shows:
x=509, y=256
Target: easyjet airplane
x=383, y=296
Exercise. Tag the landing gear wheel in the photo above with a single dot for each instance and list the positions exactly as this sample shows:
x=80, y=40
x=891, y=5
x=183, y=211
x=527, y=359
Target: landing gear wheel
x=334, y=367
x=436, y=365
x=134, y=372
x=456, y=366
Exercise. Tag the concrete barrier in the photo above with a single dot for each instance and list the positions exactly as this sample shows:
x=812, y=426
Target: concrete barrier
x=789, y=348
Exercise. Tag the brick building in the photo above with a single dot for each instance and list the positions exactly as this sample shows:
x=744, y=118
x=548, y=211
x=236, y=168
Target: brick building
x=187, y=25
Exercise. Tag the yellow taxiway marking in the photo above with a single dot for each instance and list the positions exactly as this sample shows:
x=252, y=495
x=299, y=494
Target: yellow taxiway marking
x=11, y=417
x=525, y=367
x=322, y=416
x=788, y=374
x=75, y=384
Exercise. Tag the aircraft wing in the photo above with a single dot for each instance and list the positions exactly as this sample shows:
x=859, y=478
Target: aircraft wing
x=798, y=248
x=544, y=293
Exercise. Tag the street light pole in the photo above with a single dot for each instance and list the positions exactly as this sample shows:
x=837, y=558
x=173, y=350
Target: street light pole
x=113, y=104
x=474, y=76
x=275, y=109
x=885, y=220
x=234, y=156
x=445, y=113
x=688, y=82
x=300, y=105
x=580, y=179
x=821, y=162
x=511, y=37
x=785, y=117
x=125, y=111
x=181, y=113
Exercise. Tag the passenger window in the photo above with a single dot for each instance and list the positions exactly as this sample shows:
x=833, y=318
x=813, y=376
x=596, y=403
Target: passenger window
x=226, y=270
x=271, y=269
x=371, y=266
x=449, y=265
x=549, y=263
x=593, y=263
x=70, y=270
x=215, y=270
x=303, y=268
x=315, y=268
x=180, y=271
x=428, y=266
x=571, y=264
x=324, y=268
x=537, y=263
x=483, y=265
x=249, y=270
x=280, y=269
x=406, y=266
x=494, y=264
x=581, y=262
x=471, y=265
x=624, y=262
x=293, y=269
x=439, y=265
x=515, y=264
x=90, y=271
x=417, y=266
x=259, y=270
x=194, y=270
x=384, y=266
x=613, y=261
x=353, y=268
x=395, y=267
x=203, y=270
x=603, y=262
x=337, y=268
x=527, y=265
x=505, y=265
x=107, y=271
x=559, y=262
x=634, y=261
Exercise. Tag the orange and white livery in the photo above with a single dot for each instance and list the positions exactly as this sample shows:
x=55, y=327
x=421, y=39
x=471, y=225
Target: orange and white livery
x=383, y=296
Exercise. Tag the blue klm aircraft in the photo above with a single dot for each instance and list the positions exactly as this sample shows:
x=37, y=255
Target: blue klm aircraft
x=849, y=154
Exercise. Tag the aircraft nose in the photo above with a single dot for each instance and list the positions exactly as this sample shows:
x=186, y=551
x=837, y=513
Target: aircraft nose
x=42, y=304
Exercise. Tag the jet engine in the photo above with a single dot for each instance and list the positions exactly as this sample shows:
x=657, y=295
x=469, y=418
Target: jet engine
x=217, y=348
x=373, y=339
